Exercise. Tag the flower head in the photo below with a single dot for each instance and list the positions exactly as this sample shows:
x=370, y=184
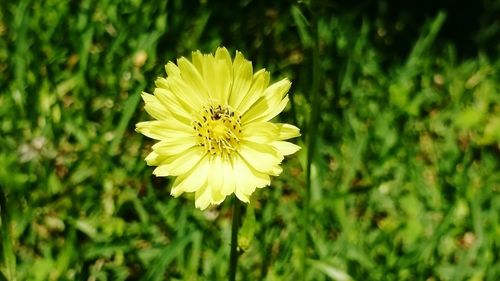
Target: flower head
x=212, y=123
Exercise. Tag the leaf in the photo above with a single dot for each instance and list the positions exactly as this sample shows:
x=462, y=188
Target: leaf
x=302, y=26
x=158, y=267
x=8, y=262
x=128, y=111
x=247, y=231
x=331, y=271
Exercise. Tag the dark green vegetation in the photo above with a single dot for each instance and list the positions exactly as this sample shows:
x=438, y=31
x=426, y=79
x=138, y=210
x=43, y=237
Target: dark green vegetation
x=405, y=174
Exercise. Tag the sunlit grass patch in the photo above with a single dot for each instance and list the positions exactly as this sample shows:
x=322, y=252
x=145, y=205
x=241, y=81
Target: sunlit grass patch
x=404, y=176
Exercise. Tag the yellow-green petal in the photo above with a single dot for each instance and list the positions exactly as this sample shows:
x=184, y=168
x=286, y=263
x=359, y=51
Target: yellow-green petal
x=229, y=185
x=203, y=197
x=216, y=176
x=193, y=77
x=262, y=132
x=185, y=161
x=178, y=110
x=162, y=130
x=248, y=179
x=154, y=107
x=243, y=76
x=193, y=180
x=260, y=81
x=270, y=105
x=174, y=146
x=287, y=131
x=286, y=148
x=261, y=157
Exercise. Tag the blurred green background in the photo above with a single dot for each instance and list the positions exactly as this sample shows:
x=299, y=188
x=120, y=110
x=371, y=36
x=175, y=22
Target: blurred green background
x=405, y=156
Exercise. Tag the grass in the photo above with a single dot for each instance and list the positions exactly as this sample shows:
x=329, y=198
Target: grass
x=403, y=162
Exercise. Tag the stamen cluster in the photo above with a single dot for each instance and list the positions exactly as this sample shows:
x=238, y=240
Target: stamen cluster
x=218, y=128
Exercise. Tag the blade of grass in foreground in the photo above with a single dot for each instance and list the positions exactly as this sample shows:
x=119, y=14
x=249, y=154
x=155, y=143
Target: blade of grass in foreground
x=311, y=145
x=159, y=266
x=309, y=40
x=8, y=262
x=128, y=111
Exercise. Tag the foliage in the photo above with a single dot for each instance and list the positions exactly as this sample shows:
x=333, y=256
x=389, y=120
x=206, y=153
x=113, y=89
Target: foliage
x=405, y=173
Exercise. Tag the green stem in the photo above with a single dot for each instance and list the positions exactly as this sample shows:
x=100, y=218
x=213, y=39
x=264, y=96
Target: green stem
x=233, y=259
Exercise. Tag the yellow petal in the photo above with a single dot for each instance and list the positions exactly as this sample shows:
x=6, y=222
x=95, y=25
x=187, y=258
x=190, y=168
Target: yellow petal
x=217, y=73
x=174, y=145
x=287, y=131
x=178, y=110
x=162, y=82
x=172, y=70
x=228, y=186
x=193, y=180
x=276, y=170
x=259, y=84
x=247, y=179
x=197, y=59
x=154, y=107
x=242, y=196
x=184, y=162
x=261, y=157
x=163, y=130
x=206, y=196
x=270, y=105
x=276, y=110
x=222, y=54
x=152, y=159
x=203, y=197
x=189, y=97
x=161, y=171
x=216, y=176
x=217, y=196
x=242, y=70
x=262, y=132
x=286, y=148
x=193, y=77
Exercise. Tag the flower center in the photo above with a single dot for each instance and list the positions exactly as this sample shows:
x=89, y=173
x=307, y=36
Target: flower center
x=218, y=129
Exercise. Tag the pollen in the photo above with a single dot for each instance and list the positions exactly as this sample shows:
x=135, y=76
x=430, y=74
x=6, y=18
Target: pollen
x=218, y=129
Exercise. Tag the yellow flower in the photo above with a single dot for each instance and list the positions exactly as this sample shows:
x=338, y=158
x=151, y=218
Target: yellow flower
x=213, y=127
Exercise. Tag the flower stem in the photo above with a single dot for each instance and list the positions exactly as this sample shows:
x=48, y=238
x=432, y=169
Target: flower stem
x=233, y=259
